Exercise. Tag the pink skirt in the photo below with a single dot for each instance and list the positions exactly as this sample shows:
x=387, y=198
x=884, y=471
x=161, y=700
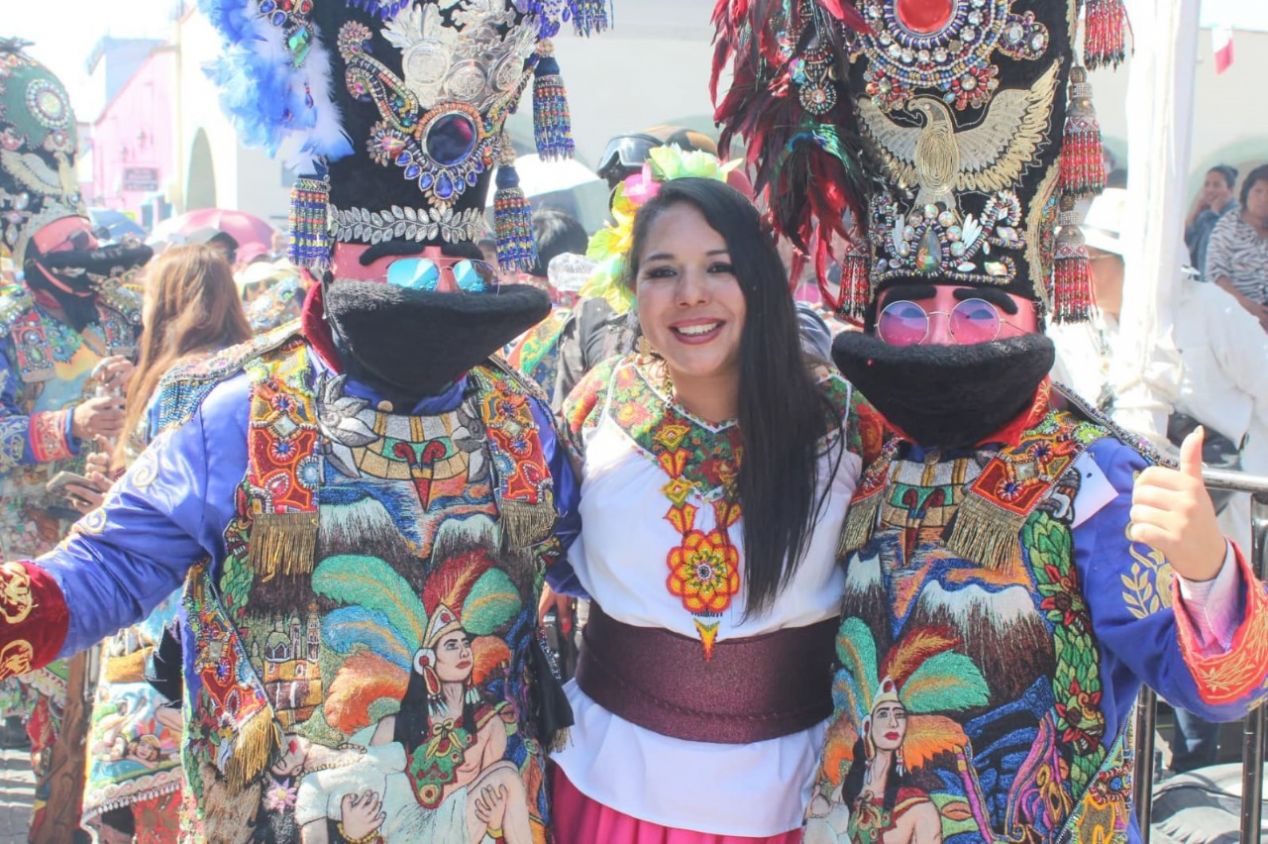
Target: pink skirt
x=580, y=820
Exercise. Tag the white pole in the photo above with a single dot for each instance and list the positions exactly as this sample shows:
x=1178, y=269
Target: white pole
x=1146, y=371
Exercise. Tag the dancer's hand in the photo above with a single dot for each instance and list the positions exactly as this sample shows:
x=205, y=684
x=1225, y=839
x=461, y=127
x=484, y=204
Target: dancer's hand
x=561, y=604
x=1173, y=514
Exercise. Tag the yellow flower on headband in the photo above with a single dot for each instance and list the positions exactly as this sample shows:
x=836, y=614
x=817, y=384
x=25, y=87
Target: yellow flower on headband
x=610, y=246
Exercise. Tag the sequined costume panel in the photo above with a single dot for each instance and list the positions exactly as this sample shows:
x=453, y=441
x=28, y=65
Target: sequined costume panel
x=399, y=658
x=993, y=702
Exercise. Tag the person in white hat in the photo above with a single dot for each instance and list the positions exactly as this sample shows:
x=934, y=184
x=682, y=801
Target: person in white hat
x=1222, y=383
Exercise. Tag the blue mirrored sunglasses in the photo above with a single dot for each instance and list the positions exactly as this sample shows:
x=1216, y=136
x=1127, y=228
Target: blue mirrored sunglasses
x=424, y=274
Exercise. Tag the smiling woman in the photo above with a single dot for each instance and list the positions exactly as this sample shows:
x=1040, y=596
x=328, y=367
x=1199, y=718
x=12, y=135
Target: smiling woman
x=692, y=310
x=709, y=666
x=714, y=306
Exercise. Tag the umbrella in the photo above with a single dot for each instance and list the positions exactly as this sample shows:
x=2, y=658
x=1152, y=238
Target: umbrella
x=117, y=224
x=539, y=177
x=567, y=185
x=243, y=227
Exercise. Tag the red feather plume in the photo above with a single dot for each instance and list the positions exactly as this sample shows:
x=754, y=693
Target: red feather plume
x=806, y=166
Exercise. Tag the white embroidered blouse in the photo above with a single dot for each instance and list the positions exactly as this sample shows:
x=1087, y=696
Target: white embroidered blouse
x=622, y=558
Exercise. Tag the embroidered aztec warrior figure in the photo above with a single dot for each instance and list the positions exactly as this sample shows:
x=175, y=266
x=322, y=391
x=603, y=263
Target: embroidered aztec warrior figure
x=361, y=504
x=1015, y=566
x=67, y=327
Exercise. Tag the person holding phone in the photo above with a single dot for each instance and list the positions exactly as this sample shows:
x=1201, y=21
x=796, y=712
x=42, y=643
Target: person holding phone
x=68, y=328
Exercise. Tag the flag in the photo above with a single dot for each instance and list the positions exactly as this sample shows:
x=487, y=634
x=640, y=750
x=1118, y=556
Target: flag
x=1222, y=46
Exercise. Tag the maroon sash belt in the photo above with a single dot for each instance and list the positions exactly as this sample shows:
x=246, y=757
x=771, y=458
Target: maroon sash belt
x=755, y=688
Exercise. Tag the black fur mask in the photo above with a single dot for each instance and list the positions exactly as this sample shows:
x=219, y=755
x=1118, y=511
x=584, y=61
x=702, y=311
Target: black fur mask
x=81, y=271
x=411, y=344
x=946, y=396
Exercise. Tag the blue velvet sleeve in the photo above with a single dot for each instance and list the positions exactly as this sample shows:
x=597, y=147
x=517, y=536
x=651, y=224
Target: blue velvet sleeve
x=1129, y=594
x=561, y=576
x=168, y=512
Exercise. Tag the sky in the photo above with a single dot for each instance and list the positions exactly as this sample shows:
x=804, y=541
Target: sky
x=65, y=46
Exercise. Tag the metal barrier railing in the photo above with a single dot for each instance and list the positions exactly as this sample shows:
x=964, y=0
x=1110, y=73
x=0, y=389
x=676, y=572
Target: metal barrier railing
x=1256, y=724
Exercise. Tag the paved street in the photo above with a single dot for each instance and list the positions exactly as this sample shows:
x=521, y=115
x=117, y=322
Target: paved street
x=16, y=794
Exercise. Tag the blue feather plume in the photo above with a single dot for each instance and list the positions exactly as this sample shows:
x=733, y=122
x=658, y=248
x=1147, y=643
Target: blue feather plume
x=273, y=98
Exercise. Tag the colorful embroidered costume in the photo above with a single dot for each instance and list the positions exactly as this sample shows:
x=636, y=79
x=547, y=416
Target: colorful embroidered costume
x=1012, y=669
x=997, y=622
x=135, y=732
x=359, y=511
x=661, y=555
x=313, y=672
x=72, y=307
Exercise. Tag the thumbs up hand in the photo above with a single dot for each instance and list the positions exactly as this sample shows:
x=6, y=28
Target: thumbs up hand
x=1172, y=513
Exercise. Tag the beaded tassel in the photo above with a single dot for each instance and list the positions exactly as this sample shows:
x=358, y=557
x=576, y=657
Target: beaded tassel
x=512, y=216
x=1082, y=157
x=310, y=235
x=855, y=289
x=1072, y=275
x=1104, y=36
x=552, y=125
x=589, y=16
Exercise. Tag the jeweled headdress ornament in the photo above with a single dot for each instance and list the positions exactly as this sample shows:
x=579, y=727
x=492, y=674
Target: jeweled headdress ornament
x=400, y=107
x=38, y=141
x=979, y=132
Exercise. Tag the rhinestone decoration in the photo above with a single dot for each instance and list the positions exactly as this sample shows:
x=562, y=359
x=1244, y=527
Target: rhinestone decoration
x=933, y=240
x=944, y=45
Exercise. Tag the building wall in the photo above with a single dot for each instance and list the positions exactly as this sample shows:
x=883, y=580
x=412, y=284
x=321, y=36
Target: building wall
x=136, y=132
x=1228, y=125
x=243, y=179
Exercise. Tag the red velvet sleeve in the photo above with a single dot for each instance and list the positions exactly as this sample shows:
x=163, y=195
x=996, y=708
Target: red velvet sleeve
x=34, y=615
x=1239, y=673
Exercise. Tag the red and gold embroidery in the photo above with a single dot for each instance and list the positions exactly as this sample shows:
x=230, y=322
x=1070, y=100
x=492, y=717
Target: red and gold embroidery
x=282, y=469
x=48, y=436
x=17, y=657
x=1012, y=484
x=35, y=618
x=16, y=600
x=1229, y=677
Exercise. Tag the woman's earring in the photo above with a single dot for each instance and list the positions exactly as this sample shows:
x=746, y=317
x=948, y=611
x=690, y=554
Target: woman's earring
x=645, y=347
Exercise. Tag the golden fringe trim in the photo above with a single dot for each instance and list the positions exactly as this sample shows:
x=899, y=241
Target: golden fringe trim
x=985, y=533
x=283, y=543
x=860, y=521
x=259, y=739
x=525, y=525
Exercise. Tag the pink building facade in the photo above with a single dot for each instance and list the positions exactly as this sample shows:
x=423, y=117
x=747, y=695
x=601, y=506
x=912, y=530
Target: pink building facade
x=133, y=144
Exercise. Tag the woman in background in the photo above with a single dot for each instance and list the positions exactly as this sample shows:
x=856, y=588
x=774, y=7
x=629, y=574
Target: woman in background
x=1237, y=254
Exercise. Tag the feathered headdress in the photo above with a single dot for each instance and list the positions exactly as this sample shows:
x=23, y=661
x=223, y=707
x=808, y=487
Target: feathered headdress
x=923, y=672
x=395, y=110
x=789, y=61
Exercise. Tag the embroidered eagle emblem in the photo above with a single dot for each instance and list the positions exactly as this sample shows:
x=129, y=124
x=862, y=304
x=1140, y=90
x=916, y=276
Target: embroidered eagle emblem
x=939, y=159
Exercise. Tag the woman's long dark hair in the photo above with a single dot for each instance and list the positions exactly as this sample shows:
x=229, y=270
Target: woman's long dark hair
x=413, y=722
x=857, y=778
x=782, y=412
